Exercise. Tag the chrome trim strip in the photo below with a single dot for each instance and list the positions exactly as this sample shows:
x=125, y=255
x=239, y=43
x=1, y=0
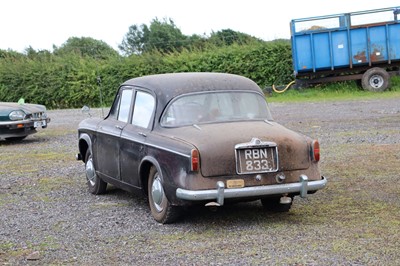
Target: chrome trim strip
x=169, y=150
x=159, y=147
x=15, y=122
x=255, y=143
x=221, y=193
x=25, y=121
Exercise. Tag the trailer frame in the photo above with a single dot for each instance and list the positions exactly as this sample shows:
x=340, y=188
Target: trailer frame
x=367, y=51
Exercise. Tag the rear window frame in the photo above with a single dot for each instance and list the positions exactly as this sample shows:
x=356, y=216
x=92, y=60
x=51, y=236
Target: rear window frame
x=173, y=100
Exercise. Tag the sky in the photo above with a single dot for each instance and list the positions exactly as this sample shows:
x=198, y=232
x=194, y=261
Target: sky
x=40, y=24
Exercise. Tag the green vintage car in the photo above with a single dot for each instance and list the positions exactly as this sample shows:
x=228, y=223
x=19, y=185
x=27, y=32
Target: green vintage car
x=18, y=120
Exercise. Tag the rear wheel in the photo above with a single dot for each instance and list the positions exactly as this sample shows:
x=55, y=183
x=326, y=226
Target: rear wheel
x=161, y=209
x=375, y=79
x=95, y=184
x=274, y=205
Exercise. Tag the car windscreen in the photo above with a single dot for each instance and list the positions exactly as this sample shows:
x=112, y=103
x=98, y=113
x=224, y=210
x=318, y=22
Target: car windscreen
x=214, y=107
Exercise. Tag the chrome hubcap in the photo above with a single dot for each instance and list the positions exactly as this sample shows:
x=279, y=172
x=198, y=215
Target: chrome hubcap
x=157, y=193
x=90, y=172
x=376, y=81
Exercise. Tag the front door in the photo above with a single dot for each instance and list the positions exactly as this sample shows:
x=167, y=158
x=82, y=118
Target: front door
x=108, y=143
x=133, y=137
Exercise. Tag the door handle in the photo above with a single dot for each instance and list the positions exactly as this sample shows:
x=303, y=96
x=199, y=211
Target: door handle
x=142, y=134
x=119, y=127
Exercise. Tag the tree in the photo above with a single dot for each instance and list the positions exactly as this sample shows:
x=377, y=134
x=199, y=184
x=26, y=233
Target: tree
x=196, y=42
x=86, y=46
x=163, y=36
x=135, y=40
x=10, y=54
x=229, y=37
x=37, y=54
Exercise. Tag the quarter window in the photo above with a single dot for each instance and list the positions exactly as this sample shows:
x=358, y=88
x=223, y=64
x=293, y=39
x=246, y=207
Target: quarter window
x=143, y=109
x=126, y=98
x=115, y=107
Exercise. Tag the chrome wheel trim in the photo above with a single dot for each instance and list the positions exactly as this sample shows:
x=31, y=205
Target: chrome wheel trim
x=376, y=81
x=90, y=172
x=157, y=193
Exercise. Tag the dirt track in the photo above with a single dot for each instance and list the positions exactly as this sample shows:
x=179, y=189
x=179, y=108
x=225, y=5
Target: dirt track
x=48, y=217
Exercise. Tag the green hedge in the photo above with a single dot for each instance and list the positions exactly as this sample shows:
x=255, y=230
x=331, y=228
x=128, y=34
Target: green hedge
x=71, y=81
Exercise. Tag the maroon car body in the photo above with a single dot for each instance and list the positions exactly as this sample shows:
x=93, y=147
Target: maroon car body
x=190, y=138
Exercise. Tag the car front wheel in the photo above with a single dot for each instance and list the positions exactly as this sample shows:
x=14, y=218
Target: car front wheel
x=95, y=184
x=161, y=209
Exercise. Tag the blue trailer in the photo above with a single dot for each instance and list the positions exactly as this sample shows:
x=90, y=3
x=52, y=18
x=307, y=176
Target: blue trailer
x=362, y=46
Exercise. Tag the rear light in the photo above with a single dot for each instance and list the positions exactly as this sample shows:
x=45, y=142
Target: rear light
x=315, y=150
x=195, y=160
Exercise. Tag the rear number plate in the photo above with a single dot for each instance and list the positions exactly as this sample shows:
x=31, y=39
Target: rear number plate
x=257, y=160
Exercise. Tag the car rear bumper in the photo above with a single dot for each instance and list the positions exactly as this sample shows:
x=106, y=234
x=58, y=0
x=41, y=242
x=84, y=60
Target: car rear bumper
x=220, y=193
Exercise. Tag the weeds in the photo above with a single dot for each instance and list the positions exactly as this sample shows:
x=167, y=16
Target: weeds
x=335, y=91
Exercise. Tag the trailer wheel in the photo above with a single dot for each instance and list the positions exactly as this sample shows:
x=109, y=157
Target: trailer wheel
x=375, y=79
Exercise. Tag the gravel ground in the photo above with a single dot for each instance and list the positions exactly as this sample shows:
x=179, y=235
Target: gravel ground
x=49, y=218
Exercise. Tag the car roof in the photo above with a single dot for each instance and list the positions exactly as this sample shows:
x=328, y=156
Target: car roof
x=170, y=85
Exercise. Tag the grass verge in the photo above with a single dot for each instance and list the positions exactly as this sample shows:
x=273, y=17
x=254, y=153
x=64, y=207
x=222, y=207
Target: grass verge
x=335, y=91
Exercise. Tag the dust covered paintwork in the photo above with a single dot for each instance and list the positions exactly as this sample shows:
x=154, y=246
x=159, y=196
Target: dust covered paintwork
x=197, y=138
x=27, y=118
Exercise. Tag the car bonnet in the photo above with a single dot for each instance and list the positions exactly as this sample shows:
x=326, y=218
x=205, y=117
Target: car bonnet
x=6, y=108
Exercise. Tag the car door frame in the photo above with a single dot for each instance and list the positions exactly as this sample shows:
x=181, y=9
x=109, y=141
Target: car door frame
x=107, y=144
x=133, y=144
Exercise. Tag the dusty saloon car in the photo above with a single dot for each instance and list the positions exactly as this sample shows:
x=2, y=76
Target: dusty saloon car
x=18, y=120
x=197, y=138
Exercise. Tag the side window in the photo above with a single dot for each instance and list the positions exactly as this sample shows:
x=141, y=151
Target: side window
x=125, y=105
x=143, y=109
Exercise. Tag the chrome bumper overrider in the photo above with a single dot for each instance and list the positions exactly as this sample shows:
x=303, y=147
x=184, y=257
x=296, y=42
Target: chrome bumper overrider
x=221, y=193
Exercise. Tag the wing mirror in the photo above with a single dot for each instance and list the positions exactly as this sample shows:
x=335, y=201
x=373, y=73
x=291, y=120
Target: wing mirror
x=86, y=110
